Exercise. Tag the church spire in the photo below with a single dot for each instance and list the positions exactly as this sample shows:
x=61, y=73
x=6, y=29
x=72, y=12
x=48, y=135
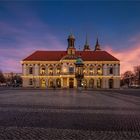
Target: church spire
x=97, y=46
x=86, y=46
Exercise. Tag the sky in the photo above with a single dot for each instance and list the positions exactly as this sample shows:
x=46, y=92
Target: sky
x=27, y=26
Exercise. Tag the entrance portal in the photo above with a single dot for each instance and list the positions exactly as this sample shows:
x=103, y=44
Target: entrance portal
x=71, y=82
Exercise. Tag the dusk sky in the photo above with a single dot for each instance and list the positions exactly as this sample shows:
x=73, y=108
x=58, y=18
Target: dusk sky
x=27, y=26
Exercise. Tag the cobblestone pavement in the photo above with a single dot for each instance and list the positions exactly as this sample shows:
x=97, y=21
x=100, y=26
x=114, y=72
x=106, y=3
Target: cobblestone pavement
x=69, y=114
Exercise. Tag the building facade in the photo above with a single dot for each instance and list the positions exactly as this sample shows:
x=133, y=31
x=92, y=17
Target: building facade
x=49, y=69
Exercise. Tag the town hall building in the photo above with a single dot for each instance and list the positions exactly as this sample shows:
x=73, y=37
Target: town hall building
x=49, y=69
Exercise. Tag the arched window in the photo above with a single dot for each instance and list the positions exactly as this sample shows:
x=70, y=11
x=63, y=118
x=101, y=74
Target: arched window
x=91, y=70
x=50, y=70
x=58, y=69
x=99, y=70
x=42, y=70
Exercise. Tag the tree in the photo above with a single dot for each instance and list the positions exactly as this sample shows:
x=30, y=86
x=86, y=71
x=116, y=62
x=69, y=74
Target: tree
x=2, y=78
x=128, y=78
x=17, y=80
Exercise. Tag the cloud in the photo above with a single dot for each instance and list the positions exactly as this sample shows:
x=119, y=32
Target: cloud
x=17, y=42
x=129, y=57
x=23, y=32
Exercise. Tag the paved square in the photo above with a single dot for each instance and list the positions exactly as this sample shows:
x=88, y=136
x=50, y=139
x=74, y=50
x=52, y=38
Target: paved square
x=69, y=114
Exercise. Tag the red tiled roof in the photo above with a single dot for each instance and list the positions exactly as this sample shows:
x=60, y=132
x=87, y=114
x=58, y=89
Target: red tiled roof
x=57, y=55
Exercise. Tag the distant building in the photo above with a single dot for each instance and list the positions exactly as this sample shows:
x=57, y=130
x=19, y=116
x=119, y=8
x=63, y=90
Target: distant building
x=137, y=74
x=11, y=74
x=47, y=69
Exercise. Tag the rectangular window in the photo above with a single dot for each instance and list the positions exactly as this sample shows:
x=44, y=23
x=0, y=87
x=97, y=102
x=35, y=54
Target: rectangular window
x=111, y=70
x=30, y=70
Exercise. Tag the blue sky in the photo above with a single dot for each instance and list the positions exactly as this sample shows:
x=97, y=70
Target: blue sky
x=26, y=26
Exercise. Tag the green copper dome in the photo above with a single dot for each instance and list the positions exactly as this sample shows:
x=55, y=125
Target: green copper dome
x=79, y=61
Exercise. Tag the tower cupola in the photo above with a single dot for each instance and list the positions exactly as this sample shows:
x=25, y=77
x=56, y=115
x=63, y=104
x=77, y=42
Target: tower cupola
x=71, y=40
x=71, y=46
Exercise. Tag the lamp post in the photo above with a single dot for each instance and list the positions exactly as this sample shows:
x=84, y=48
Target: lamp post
x=79, y=75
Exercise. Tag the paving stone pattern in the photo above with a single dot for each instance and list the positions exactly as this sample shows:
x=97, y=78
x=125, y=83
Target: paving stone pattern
x=69, y=114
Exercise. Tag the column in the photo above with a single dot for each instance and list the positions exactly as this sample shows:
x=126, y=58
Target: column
x=103, y=83
x=54, y=69
x=46, y=83
x=62, y=82
x=46, y=69
x=105, y=69
x=24, y=69
x=68, y=82
x=95, y=82
x=107, y=84
x=27, y=69
x=36, y=70
x=75, y=82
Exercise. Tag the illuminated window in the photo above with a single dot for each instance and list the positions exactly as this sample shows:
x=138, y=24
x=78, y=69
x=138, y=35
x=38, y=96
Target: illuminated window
x=58, y=70
x=91, y=70
x=42, y=70
x=50, y=70
x=99, y=70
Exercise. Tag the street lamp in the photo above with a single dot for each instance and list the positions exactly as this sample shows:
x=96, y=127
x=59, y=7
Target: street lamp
x=79, y=75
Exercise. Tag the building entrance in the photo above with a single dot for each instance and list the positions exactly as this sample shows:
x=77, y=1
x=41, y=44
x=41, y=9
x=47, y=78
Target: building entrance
x=71, y=83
